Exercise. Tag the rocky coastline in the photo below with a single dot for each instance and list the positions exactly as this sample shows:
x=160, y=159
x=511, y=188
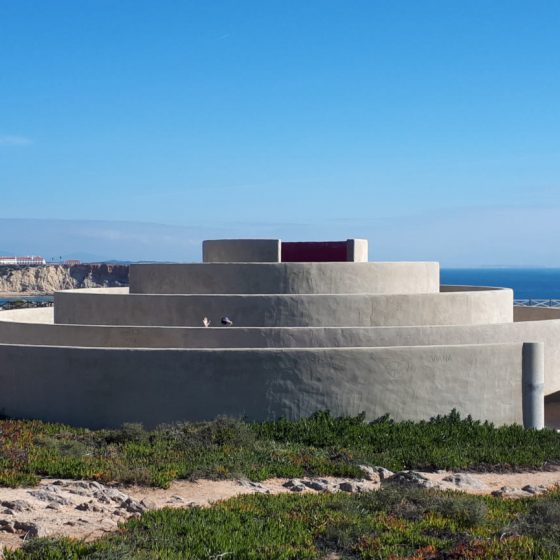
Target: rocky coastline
x=16, y=281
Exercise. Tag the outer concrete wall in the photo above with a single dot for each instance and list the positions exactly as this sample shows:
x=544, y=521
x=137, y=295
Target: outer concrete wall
x=546, y=331
x=103, y=388
x=241, y=250
x=285, y=278
x=104, y=307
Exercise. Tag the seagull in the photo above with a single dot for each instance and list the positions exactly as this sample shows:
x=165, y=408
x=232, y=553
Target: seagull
x=206, y=322
x=226, y=321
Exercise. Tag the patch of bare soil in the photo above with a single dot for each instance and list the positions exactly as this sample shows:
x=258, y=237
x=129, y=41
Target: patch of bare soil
x=87, y=510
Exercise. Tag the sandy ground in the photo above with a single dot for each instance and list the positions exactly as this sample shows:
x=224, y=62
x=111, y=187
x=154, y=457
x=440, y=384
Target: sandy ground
x=87, y=510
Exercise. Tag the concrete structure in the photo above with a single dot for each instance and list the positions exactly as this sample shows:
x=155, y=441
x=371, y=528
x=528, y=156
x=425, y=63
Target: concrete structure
x=339, y=334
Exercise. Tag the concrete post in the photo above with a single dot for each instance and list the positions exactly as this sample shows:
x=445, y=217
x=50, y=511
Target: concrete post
x=357, y=250
x=532, y=380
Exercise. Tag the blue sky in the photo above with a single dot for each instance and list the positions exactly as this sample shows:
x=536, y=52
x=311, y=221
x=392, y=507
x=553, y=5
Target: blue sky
x=430, y=127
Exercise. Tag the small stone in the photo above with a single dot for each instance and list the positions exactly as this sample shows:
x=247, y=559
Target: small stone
x=17, y=505
x=351, y=486
x=320, y=485
x=31, y=529
x=46, y=496
x=148, y=504
x=254, y=486
x=375, y=474
x=294, y=485
x=383, y=472
x=463, y=480
x=534, y=489
x=506, y=491
x=175, y=500
x=369, y=473
x=133, y=506
x=411, y=478
x=7, y=526
x=114, y=495
x=54, y=506
x=90, y=506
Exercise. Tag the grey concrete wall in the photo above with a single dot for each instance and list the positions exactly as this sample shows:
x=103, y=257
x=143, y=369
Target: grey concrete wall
x=106, y=387
x=285, y=278
x=357, y=250
x=241, y=250
x=98, y=307
x=546, y=331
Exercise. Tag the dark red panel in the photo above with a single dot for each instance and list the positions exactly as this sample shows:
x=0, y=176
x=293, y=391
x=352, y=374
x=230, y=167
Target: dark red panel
x=314, y=251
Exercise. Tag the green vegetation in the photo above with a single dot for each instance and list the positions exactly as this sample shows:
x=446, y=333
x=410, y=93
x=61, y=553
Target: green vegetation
x=315, y=446
x=411, y=524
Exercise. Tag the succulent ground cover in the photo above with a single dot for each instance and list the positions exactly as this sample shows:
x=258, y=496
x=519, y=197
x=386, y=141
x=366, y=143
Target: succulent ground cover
x=394, y=523
x=225, y=448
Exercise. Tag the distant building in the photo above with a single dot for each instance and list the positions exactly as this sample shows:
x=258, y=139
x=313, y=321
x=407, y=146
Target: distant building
x=72, y=262
x=23, y=261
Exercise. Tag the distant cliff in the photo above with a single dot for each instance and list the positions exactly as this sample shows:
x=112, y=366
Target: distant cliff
x=48, y=279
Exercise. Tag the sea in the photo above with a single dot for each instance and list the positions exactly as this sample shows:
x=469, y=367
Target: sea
x=25, y=298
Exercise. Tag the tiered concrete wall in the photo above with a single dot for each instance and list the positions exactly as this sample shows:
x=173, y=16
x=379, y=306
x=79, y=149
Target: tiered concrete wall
x=102, y=307
x=24, y=327
x=104, y=388
x=350, y=337
x=285, y=278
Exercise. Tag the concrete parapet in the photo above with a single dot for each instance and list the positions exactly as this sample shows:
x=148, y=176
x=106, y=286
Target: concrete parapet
x=106, y=387
x=241, y=250
x=101, y=307
x=285, y=278
x=357, y=250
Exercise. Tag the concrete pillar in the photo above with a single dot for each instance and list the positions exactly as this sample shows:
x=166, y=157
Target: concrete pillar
x=532, y=382
x=357, y=250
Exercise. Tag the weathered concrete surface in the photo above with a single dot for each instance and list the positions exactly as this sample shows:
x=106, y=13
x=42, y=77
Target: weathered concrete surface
x=102, y=387
x=34, y=327
x=96, y=307
x=241, y=250
x=533, y=385
x=285, y=278
x=357, y=250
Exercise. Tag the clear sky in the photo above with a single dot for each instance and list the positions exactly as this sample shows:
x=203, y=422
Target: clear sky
x=430, y=127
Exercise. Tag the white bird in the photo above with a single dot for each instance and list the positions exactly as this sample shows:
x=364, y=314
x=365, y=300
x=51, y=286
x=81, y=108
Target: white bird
x=206, y=322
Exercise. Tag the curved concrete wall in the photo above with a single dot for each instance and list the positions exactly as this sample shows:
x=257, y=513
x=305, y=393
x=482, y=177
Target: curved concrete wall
x=546, y=331
x=285, y=278
x=104, y=307
x=107, y=387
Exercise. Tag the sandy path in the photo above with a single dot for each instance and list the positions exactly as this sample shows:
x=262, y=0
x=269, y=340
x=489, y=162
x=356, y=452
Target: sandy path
x=87, y=510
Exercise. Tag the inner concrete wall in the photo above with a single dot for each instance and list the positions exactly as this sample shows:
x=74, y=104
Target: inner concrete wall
x=241, y=250
x=106, y=387
x=285, y=278
x=105, y=307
